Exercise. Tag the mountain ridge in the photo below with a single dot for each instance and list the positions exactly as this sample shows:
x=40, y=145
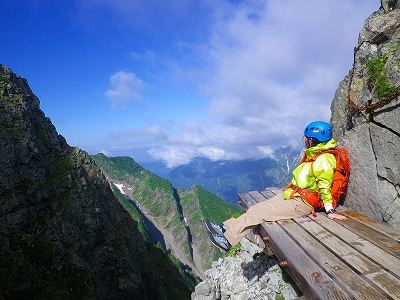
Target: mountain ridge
x=63, y=233
x=227, y=178
x=177, y=211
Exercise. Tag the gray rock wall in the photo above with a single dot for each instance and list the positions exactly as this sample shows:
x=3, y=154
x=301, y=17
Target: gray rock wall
x=368, y=124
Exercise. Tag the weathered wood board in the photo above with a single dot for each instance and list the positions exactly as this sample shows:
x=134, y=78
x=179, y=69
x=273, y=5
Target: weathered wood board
x=357, y=258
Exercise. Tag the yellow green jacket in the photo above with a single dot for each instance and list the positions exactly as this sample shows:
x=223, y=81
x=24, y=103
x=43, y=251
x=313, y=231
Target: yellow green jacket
x=320, y=178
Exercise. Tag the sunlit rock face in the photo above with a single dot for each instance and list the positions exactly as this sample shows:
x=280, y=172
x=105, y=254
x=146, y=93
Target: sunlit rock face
x=366, y=117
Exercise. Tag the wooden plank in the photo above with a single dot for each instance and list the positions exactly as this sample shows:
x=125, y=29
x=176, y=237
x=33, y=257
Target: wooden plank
x=257, y=196
x=363, y=265
x=309, y=277
x=330, y=263
x=387, y=283
x=249, y=199
x=347, y=253
x=271, y=192
x=245, y=200
x=382, y=228
x=376, y=237
x=358, y=258
x=373, y=252
x=241, y=200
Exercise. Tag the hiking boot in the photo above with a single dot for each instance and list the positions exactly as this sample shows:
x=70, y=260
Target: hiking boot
x=214, y=228
x=219, y=241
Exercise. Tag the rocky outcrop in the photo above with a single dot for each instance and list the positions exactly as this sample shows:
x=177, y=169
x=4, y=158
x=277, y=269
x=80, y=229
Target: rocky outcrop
x=246, y=276
x=366, y=114
x=63, y=234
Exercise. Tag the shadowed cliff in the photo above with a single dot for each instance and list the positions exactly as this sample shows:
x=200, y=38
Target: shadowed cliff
x=63, y=234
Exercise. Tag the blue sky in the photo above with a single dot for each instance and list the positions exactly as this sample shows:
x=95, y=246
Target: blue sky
x=172, y=80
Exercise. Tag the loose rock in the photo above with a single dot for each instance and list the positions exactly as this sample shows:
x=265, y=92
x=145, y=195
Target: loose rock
x=245, y=276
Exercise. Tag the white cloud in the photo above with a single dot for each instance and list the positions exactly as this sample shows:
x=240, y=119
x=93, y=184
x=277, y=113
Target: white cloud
x=173, y=156
x=267, y=151
x=275, y=66
x=126, y=89
x=268, y=67
x=105, y=152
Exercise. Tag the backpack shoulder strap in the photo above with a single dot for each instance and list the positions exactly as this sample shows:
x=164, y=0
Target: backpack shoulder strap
x=303, y=159
x=313, y=158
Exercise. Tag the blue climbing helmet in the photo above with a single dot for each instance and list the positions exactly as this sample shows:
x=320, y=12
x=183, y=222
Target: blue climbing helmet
x=322, y=131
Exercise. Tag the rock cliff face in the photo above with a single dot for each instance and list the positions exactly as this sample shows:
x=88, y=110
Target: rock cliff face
x=63, y=234
x=366, y=117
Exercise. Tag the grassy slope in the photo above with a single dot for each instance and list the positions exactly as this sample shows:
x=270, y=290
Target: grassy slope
x=198, y=204
x=169, y=207
x=133, y=212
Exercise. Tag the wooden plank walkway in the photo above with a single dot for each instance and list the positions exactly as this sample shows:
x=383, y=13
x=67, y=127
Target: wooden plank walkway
x=327, y=259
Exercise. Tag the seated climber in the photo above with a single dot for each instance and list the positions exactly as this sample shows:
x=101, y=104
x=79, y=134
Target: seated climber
x=316, y=177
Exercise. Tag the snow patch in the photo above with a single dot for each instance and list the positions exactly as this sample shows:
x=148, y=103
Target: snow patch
x=120, y=186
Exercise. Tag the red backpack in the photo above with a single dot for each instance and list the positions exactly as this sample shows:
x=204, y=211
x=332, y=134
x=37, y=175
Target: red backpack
x=339, y=183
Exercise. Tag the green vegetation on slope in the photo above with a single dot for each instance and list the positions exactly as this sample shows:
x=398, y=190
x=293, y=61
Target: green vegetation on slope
x=377, y=77
x=146, y=187
x=171, y=274
x=180, y=212
x=133, y=212
x=197, y=204
x=154, y=195
x=214, y=208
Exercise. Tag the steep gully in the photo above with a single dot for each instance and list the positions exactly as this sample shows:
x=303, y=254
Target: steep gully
x=164, y=237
